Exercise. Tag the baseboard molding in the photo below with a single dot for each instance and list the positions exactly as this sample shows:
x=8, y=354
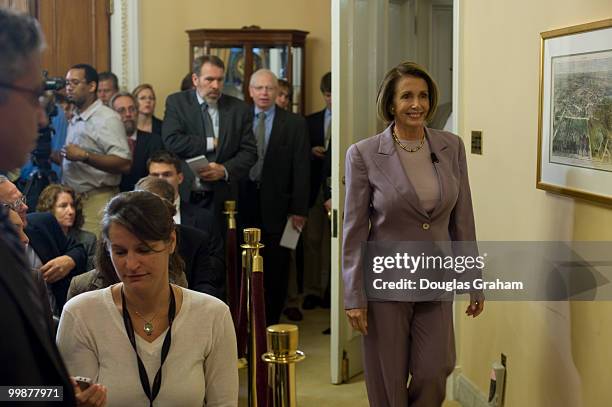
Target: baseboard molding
x=466, y=393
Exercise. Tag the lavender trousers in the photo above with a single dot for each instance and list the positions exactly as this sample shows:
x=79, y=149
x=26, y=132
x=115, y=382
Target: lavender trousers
x=403, y=339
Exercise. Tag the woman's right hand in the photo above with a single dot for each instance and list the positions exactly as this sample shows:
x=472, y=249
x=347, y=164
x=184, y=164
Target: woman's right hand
x=93, y=396
x=358, y=318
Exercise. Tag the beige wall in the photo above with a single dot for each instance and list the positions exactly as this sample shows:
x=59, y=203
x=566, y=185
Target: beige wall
x=165, y=49
x=556, y=351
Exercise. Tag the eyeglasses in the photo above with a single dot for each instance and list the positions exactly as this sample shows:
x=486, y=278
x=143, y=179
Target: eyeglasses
x=17, y=204
x=123, y=110
x=75, y=82
x=38, y=96
x=267, y=88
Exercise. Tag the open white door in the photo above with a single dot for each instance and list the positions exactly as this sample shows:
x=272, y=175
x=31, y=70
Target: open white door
x=368, y=37
x=358, y=39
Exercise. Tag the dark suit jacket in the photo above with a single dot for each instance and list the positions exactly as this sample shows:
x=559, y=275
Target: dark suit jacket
x=381, y=203
x=28, y=354
x=326, y=174
x=196, y=217
x=285, y=176
x=48, y=241
x=146, y=144
x=183, y=134
x=156, y=126
x=316, y=133
x=204, y=259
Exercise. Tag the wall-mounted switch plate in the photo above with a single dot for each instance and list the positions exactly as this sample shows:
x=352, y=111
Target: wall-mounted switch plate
x=476, y=142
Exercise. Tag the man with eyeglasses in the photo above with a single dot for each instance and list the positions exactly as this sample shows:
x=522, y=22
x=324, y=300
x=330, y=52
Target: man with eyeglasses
x=28, y=354
x=57, y=257
x=96, y=151
x=142, y=143
x=276, y=191
x=108, y=86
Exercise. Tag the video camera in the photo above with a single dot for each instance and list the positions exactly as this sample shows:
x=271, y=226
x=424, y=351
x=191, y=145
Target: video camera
x=43, y=175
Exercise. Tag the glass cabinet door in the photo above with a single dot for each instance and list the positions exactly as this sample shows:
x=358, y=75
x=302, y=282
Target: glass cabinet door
x=272, y=58
x=234, y=60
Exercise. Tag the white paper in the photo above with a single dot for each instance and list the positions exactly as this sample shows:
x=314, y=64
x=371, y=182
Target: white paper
x=196, y=163
x=290, y=236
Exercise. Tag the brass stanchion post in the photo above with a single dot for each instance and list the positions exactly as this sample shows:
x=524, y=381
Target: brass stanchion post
x=231, y=261
x=252, y=263
x=281, y=357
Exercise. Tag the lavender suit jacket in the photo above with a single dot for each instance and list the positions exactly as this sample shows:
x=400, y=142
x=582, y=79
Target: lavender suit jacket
x=381, y=203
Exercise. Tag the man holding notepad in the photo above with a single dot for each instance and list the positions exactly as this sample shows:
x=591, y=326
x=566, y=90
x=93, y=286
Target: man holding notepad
x=274, y=197
x=204, y=122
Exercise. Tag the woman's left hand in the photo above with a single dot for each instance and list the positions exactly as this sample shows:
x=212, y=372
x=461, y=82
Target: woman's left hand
x=57, y=268
x=476, y=304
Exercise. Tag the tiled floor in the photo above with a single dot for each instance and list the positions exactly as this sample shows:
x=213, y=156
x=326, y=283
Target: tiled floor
x=313, y=375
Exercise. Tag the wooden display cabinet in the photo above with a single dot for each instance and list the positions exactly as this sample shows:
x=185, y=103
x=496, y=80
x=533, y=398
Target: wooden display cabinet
x=248, y=49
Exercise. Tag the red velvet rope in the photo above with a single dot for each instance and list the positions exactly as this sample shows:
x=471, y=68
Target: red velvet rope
x=241, y=330
x=231, y=260
x=259, y=315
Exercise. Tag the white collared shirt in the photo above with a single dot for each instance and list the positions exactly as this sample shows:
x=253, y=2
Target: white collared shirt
x=97, y=130
x=213, y=112
x=177, y=205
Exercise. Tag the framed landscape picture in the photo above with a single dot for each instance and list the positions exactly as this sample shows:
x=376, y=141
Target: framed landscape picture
x=575, y=112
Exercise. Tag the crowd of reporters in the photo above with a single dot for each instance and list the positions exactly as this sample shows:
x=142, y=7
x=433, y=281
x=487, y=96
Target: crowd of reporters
x=108, y=142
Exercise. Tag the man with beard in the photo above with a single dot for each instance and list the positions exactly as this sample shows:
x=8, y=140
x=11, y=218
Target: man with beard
x=142, y=144
x=96, y=151
x=203, y=121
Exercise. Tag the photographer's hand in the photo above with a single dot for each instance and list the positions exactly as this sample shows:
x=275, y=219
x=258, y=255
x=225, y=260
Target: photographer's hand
x=73, y=152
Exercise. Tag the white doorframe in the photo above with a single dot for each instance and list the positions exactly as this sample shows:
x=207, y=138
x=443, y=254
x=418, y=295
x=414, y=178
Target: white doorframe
x=125, y=43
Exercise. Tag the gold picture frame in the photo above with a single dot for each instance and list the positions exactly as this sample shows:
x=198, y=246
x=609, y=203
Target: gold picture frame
x=575, y=112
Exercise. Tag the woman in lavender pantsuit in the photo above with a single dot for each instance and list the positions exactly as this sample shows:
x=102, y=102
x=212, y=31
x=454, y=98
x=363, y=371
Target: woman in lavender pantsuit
x=408, y=183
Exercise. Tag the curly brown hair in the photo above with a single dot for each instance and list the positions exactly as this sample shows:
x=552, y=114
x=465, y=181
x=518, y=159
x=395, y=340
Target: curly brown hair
x=48, y=198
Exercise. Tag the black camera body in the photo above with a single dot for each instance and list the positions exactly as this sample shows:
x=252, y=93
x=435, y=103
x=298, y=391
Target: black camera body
x=41, y=155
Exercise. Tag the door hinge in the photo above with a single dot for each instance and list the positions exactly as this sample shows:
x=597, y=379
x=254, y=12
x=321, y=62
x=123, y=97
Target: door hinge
x=110, y=7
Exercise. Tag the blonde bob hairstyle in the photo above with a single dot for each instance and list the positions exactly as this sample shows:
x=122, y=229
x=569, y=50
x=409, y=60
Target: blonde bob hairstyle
x=386, y=91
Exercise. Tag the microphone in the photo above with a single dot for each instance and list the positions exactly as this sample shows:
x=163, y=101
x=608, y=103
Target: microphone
x=434, y=158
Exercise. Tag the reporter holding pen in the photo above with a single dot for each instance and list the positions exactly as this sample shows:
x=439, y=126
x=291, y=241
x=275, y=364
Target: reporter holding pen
x=408, y=183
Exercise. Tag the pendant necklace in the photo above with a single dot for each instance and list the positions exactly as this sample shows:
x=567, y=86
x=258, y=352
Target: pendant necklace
x=148, y=325
x=408, y=149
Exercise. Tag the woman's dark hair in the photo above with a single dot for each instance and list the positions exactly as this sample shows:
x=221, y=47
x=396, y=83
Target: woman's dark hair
x=146, y=216
x=48, y=198
x=386, y=92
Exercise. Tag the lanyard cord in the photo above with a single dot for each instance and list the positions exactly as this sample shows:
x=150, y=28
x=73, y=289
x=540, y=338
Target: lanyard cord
x=142, y=372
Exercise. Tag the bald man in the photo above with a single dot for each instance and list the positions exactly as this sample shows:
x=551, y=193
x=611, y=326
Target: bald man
x=277, y=188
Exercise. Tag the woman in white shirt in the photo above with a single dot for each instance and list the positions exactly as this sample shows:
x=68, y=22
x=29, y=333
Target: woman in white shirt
x=149, y=342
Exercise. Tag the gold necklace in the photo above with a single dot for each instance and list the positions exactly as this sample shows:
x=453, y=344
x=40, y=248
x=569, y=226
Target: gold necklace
x=410, y=150
x=148, y=325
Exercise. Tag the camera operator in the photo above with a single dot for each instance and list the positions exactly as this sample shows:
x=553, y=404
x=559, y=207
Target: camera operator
x=96, y=151
x=28, y=354
x=44, y=166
